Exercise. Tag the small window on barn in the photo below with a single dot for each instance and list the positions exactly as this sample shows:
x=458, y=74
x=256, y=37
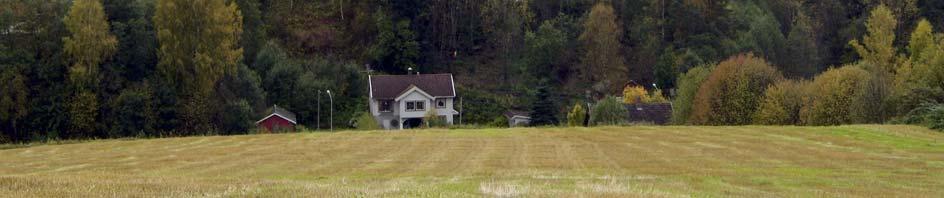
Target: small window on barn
x=420, y=106
x=410, y=106
x=440, y=103
x=385, y=106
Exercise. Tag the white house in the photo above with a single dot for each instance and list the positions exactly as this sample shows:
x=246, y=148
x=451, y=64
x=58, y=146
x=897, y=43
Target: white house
x=402, y=101
x=518, y=118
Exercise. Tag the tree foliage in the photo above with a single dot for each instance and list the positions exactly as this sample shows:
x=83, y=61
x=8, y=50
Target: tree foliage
x=90, y=43
x=199, y=44
x=782, y=103
x=688, y=85
x=609, y=111
x=876, y=48
x=603, y=63
x=839, y=96
x=544, y=111
x=395, y=49
x=199, y=41
x=731, y=94
x=577, y=116
x=174, y=67
x=802, y=54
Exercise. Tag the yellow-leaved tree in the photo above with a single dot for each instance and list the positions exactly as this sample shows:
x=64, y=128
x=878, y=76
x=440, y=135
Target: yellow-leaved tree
x=89, y=44
x=603, y=64
x=199, y=44
x=880, y=59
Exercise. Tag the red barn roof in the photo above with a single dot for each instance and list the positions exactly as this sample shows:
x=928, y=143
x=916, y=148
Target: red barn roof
x=280, y=112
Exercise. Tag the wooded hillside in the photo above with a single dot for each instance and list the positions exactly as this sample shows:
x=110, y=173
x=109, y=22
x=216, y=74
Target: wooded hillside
x=119, y=68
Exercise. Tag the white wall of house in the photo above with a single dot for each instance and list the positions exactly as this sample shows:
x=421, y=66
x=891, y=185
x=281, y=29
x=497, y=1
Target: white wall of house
x=385, y=120
x=519, y=121
x=447, y=111
x=414, y=96
x=398, y=112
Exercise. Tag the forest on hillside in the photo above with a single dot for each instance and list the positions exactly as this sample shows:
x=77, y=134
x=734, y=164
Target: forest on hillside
x=78, y=69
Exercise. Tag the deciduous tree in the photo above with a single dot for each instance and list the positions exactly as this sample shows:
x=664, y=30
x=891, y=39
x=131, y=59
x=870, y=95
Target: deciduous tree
x=876, y=48
x=603, y=63
x=199, y=44
x=89, y=44
x=732, y=93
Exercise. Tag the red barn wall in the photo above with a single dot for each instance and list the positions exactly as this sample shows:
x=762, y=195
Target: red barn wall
x=276, y=123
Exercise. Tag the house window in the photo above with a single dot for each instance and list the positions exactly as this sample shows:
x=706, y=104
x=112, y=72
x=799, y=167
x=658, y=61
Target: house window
x=415, y=106
x=440, y=103
x=385, y=106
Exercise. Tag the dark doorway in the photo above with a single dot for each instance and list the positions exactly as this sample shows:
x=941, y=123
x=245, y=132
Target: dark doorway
x=412, y=123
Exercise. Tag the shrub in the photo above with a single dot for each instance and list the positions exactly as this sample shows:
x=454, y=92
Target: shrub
x=609, y=111
x=431, y=120
x=499, y=121
x=366, y=122
x=930, y=115
x=638, y=94
x=132, y=112
x=838, y=97
x=479, y=107
x=688, y=85
x=236, y=118
x=656, y=97
x=918, y=97
x=731, y=94
x=577, y=116
x=782, y=103
x=635, y=94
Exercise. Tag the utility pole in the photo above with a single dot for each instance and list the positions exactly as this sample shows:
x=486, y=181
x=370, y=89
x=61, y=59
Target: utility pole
x=318, y=115
x=331, y=112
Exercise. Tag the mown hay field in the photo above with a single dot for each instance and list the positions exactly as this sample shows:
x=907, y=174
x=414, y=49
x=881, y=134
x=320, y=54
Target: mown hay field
x=750, y=161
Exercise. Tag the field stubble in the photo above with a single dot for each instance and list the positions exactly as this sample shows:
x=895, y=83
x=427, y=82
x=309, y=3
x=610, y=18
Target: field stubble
x=747, y=161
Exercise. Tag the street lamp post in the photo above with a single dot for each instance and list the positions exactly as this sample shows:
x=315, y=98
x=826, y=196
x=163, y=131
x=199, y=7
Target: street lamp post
x=318, y=113
x=331, y=112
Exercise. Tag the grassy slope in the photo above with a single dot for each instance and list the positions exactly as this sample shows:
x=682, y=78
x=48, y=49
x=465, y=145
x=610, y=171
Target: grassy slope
x=618, y=162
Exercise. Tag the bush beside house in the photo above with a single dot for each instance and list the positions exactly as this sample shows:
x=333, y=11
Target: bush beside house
x=609, y=111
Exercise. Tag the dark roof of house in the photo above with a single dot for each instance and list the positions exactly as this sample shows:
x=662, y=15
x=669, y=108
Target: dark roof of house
x=280, y=112
x=655, y=113
x=391, y=86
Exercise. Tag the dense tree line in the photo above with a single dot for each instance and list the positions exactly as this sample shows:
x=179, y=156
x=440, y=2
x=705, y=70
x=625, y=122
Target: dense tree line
x=119, y=68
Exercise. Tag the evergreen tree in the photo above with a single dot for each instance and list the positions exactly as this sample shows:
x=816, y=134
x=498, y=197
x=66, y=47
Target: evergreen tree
x=395, y=49
x=802, y=57
x=544, y=109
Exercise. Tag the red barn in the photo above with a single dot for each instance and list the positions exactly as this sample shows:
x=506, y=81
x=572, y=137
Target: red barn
x=278, y=120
